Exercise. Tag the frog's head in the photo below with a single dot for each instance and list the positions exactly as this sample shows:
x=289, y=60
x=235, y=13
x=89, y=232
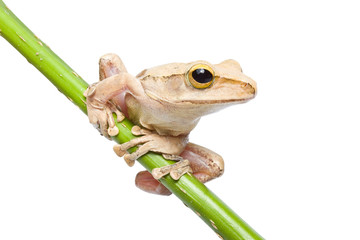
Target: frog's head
x=198, y=85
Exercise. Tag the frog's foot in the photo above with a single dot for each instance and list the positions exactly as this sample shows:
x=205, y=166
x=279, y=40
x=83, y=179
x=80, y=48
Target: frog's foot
x=205, y=164
x=169, y=146
x=100, y=114
x=175, y=170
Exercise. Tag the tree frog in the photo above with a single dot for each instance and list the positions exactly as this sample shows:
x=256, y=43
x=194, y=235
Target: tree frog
x=166, y=102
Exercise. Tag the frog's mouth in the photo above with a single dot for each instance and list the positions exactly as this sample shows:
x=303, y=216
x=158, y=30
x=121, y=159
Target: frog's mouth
x=242, y=99
x=214, y=102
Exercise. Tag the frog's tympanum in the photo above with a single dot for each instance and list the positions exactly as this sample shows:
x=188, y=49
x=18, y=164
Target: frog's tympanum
x=166, y=103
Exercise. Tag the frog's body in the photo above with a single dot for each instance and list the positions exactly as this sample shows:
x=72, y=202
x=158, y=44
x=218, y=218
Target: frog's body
x=167, y=102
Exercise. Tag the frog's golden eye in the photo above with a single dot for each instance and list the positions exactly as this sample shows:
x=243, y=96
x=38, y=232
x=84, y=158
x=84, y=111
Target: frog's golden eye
x=201, y=76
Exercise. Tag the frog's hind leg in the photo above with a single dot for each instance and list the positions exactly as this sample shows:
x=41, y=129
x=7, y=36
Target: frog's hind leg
x=205, y=164
x=110, y=64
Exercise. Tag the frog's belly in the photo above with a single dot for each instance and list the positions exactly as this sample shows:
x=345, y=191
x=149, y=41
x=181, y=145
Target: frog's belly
x=159, y=118
x=166, y=127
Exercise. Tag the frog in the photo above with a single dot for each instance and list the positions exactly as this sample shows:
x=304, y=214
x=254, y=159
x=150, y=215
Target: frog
x=165, y=103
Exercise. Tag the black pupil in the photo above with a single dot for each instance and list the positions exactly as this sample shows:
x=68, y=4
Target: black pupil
x=202, y=75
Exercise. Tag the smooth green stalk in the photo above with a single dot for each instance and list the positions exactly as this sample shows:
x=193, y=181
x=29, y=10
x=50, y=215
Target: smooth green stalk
x=188, y=189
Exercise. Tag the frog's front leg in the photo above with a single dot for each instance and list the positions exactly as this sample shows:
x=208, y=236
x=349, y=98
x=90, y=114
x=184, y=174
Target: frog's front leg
x=99, y=104
x=99, y=101
x=169, y=146
x=103, y=98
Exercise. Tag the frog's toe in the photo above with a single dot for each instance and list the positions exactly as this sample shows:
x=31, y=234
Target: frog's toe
x=142, y=150
x=119, y=115
x=100, y=122
x=175, y=170
x=172, y=157
x=129, y=159
x=121, y=149
x=113, y=131
x=138, y=131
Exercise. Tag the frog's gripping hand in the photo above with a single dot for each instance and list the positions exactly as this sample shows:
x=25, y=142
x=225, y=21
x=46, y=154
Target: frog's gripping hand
x=98, y=95
x=100, y=113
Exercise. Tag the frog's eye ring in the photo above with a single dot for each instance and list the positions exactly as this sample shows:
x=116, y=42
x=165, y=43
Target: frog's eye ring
x=200, y=76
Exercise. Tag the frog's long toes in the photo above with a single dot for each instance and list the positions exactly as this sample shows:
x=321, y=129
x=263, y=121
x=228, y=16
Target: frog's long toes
x=175, y=170
x=178, y=172
x=138, y=131
x=119, y=116
x=160, y=172
x=172, y=157
x=113, y=131
x=119, y=150
x=130, y=161
x=104, y=130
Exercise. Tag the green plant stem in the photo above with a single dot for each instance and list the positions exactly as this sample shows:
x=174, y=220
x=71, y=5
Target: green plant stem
x=188, y=189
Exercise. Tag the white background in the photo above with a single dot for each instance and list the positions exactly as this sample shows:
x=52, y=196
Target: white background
x=292, y=154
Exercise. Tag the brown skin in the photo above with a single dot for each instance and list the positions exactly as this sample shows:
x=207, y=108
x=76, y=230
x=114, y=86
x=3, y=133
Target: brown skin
x=167, y=102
